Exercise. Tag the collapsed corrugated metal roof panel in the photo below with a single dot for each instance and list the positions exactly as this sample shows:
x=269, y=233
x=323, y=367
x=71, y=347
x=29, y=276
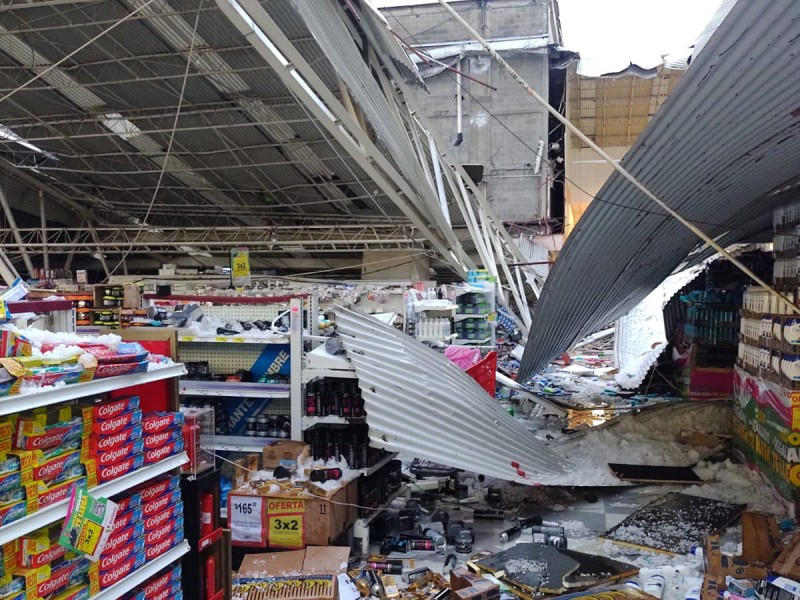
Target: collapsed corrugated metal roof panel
x=421, y=405
x=719, y=152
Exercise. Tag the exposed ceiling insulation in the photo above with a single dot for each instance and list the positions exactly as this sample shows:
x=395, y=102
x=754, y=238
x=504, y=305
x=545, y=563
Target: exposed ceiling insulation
x=422, y=405
x=722, y=152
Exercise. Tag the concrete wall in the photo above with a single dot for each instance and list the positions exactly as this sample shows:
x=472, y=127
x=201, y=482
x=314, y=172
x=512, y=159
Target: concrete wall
x=516, y=192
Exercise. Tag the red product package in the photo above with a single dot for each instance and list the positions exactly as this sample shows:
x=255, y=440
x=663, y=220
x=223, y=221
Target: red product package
x=126, y=352
x=170, y=514
x=156, y=550
x=119, y=469
x=155, y=536
x=111, y=559
x=126, y=519
x=51, y=469
x=160, y=583
x=112, y=576
x=102, y=411
x=158, y=486
x=156, y=440
x=115, y=370
x=117, y=424
x=109, y=457
x=98, y=443
x=171, y=591
x=121, y=537
x=157, y=422
x=128, y=501
x=157, y=454
x=59, y=492
x=160, y=504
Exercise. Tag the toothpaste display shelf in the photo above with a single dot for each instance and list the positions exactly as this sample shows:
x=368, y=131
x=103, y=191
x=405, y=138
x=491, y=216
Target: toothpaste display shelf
x=57, y=511
x=17, y=403
x=143, y=573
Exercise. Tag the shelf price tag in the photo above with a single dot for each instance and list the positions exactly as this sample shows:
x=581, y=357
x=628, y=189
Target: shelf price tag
x=247, y=517
x=286, y=522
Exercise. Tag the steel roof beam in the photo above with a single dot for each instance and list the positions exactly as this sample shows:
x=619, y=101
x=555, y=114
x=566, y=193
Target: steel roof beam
x=271, y=43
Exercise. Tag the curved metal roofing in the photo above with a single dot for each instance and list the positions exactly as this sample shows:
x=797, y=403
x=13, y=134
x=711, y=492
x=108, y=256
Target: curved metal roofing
x=722, y=151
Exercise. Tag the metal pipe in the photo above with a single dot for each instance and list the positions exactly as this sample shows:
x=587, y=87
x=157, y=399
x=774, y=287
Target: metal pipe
x=43, y=221
x=15, y=230
x=43, y=3
x=437, y=172
x=459, y=114
x=621, y=170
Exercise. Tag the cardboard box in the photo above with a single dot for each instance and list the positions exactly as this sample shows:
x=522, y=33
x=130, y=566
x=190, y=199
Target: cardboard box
x=285, y=453
x=309, y=574
x=323, y=518
x=469, y=586
x=788, y=562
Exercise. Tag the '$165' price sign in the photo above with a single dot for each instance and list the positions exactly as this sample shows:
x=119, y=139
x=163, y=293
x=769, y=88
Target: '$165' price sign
x=247, y=519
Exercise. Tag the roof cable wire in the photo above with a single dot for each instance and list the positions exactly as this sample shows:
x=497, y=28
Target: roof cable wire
x=168, y=151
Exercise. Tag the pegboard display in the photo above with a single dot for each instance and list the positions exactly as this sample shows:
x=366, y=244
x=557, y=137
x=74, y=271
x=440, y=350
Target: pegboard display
x=246, y=312
x=223, y=358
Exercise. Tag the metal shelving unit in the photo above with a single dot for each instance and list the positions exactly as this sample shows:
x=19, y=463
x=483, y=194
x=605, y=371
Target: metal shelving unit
x=381, y=463
x=231, y=389
x=330, y=420
x=241, y=443
x=57, y=511
x=143, y=573
x=36, y=399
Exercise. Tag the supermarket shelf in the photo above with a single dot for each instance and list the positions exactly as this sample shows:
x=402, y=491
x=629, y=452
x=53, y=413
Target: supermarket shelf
x=439, y=338
x=465, y=342
x=234, y=339
x=15, y=404
x=142, y=574
x=260, y=300
x=365, y=521
x=58, y=511
x=233, y=389
x=382, y=462
x=309, y=374
x=242, y=443
x=465, y=316
x=330, y=420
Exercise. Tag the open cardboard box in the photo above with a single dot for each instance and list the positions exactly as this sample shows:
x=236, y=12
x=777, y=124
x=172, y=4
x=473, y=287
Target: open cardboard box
x=761, y=544
x=309, y=574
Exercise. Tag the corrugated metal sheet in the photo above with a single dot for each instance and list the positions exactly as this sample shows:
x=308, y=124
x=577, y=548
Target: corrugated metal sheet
x=420, y=404
x=724, y=140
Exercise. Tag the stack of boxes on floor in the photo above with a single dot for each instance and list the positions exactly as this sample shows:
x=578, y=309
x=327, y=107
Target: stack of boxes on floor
x=45, y=453
x=767, y=378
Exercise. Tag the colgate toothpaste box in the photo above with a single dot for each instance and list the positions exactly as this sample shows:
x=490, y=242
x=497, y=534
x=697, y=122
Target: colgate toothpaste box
x=172, y=591
x=59, y=468
x=154, y=536
x=117, y=369
x=50, y=494
x=158, y=454
x=39, y=548
x=109, y=457
x=170, y=514
x=153, y=507
x=119, y=539
x=157, y=422
x=156, y=440
x=109, y=472
x=32, y=435
x=101, y=443
x=111, y=576
x=155, y=550
x=117, y=423
x=165, y=580
x=126, y=519
x=110, y=560
x=66, y=575
x=127, y=501
x=102, y=411
x=13, y=512
x=158, y=487
x=126, y=352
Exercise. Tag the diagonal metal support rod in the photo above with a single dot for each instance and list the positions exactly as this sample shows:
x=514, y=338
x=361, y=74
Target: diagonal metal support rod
x=12, y=222
x=615, y=165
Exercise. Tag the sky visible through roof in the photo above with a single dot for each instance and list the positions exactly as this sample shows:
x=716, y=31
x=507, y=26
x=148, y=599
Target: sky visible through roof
x=614, y=33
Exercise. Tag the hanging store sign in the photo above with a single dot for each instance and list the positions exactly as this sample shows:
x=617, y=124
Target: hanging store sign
x=240, y=267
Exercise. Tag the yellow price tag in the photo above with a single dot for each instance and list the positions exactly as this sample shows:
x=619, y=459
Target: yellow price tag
x=238, y=340
x=286, y=523
x=221, y=338
x=240, y=267
x=187, y=338
x=90, y=537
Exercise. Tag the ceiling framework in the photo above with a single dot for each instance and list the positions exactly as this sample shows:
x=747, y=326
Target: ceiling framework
x=195, y=125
